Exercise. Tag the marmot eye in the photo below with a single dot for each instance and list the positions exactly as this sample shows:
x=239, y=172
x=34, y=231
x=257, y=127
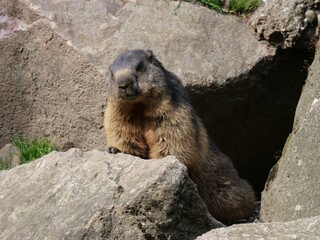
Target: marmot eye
x=140, y=67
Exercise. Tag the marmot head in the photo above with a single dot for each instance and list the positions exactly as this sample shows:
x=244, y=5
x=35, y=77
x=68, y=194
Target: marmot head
x=136, y=75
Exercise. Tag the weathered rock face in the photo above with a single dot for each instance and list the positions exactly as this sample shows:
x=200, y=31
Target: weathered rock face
x=94, y=195
x=101, y=29
x=286, y=23
x=308, y=228
x=9, y=156
x=293, y=187
x=48, y=89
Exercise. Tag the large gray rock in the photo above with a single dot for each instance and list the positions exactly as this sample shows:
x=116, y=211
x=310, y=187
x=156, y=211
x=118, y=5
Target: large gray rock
x=94, y=195
x=303, y=229
x=49, y=89
x=286, y=23
x=293, y=188
x=191, y=39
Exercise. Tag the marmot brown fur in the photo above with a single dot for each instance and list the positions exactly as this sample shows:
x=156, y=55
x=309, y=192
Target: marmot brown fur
x=149, y=115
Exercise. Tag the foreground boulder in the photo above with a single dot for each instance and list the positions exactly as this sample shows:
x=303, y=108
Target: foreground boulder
x=293, y=188
x=94, y=195
x=308, y=228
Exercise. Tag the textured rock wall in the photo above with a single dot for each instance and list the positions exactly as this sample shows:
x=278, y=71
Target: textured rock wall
x=286, y=23
x=293, y=188
x=48, y=89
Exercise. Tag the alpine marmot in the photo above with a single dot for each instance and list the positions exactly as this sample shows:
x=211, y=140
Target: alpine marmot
x=149, y=115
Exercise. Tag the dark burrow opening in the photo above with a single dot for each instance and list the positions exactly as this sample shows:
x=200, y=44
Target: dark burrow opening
x=251, y=116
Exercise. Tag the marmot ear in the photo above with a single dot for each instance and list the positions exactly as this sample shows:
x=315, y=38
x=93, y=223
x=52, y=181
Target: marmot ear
x=149, y=54
x=108, y=73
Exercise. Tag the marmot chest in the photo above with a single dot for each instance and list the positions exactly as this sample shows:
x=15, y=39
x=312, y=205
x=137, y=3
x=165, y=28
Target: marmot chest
x=144, y=133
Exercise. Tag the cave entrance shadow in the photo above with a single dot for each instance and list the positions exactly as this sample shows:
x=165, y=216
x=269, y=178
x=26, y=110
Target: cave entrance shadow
x=251, y=116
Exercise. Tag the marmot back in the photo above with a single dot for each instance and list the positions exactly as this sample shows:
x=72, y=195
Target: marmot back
x=149, y=115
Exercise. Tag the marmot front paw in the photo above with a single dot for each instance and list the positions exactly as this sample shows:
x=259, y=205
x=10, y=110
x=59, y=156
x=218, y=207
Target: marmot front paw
x=113, y=150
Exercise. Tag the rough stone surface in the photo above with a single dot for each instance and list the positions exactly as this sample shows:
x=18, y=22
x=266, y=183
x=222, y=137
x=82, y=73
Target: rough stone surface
x=101, y=29
x=9, y=156
x=94, y=195
x=302, y=229
x=286, y=23
x=49, y=90
x=293, y=188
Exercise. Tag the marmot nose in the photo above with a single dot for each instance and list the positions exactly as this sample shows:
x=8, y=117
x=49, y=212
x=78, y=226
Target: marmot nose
x=125, y=83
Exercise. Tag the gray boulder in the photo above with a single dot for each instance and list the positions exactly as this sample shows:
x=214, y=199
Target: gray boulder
x=293, y=188
x=95, y=195
x=9, y=156
x=189, y=38
x=302, y=229
x=286, y=23
x=49, y=89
